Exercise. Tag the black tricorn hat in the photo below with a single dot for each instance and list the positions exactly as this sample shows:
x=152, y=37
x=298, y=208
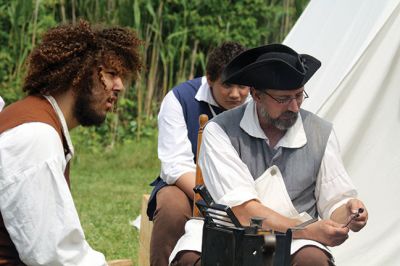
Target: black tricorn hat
x=273, y=66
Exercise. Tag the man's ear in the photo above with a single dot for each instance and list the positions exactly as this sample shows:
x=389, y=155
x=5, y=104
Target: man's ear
x=254, y=94
x=209, y=81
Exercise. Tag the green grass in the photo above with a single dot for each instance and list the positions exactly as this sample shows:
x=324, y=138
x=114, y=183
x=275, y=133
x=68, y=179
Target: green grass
x=107, y=189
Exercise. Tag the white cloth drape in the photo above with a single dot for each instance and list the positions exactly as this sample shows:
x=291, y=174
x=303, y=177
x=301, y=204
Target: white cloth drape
x=357, y=88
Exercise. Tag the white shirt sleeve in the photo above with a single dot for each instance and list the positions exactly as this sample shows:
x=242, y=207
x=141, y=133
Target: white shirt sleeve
x=2, y=103
x=35, y=201
x=334, y=186
x=226, y=177
x=174, y=147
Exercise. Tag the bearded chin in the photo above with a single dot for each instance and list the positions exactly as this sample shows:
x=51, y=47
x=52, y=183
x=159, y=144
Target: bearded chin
x=84, y=112
x=284, y=124
x=280, y=123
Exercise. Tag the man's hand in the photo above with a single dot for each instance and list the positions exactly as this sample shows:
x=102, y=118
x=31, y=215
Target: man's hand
x=352, y=215
x=326, y=232
x=186, y=183
x=356, y=222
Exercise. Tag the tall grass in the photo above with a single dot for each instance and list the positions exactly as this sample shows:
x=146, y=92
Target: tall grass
x=178, y=35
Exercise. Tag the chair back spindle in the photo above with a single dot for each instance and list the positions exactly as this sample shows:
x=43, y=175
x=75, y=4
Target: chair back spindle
x=203, y=119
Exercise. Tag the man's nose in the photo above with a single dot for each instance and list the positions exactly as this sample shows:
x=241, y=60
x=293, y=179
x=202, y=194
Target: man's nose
x=234, y=92
x=294, y=106
x=118, y=84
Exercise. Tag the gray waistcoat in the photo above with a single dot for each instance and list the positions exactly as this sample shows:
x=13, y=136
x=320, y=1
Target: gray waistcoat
x=299, y=166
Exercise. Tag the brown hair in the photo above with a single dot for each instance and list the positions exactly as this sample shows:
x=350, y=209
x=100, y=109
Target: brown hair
x=68, y=55
x=220, y=57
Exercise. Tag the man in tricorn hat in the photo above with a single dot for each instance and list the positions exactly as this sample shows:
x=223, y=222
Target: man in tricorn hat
x=272, y=159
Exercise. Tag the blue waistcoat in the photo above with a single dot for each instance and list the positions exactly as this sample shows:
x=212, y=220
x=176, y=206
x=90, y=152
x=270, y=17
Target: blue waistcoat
x=192, y=109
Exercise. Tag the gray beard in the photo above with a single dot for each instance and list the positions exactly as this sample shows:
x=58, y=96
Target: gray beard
x=279, y=123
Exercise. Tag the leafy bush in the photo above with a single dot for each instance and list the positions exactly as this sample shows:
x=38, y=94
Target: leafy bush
x=178, y=35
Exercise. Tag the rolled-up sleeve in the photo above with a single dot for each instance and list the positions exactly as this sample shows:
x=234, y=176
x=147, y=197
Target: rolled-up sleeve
x=334, y=186
x=226, y=177
x=174, y=147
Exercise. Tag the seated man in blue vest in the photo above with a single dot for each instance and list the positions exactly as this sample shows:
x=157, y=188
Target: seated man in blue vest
x=74, y=78
x=170, y=204
x=270, y=158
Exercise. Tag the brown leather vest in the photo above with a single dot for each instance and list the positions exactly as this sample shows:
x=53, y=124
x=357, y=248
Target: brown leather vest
x=29, y=109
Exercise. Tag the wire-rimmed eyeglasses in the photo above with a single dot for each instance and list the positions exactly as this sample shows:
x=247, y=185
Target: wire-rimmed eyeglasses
x=300, y=97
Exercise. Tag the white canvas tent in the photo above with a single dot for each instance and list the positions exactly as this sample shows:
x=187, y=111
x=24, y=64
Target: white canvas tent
x=358, y=89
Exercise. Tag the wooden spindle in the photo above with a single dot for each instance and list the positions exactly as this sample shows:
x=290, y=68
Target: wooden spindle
x=203, y=119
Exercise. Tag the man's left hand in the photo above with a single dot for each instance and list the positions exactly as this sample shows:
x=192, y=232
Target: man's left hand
x=358, y=215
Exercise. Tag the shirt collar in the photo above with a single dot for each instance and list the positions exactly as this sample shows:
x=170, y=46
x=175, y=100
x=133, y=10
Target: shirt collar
x=60, y=115
x=204, y=93
x=295, y=137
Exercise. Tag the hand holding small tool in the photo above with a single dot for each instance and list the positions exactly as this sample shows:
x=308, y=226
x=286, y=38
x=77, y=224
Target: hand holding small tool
x=354, y=216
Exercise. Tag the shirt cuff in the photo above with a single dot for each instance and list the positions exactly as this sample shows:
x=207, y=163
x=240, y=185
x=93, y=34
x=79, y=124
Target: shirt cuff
x=335, y=206
x=171, y=172
x=237, y=197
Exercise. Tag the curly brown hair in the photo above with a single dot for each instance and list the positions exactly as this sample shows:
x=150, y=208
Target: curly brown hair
x=69, y=54
x=220, y=57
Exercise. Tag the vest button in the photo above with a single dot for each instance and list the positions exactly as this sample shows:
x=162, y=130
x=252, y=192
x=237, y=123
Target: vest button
x=273, y=172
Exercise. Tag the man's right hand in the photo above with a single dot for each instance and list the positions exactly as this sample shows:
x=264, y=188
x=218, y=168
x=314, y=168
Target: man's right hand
x=186, y=183
x=326, y=232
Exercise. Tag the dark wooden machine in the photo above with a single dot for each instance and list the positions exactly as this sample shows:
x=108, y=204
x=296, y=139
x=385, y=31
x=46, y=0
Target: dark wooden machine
x=227, y=243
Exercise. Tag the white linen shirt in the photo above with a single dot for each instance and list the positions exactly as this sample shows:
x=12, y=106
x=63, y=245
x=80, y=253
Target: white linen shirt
x=35, y=201
x=174, y=147
x=230, y=182
x=2, y=103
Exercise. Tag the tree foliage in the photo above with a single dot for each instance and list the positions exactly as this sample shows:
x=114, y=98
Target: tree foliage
x=178, y=35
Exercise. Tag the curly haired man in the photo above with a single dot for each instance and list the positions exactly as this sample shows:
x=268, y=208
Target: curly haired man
x=74, y=78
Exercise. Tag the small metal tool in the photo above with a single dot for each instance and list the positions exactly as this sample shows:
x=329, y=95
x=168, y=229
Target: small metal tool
x=354, y=216
x=303, y=225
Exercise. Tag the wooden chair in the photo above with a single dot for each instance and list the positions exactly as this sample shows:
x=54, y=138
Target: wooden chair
x=146, y=227
x=124, y=262
x=203, y=119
